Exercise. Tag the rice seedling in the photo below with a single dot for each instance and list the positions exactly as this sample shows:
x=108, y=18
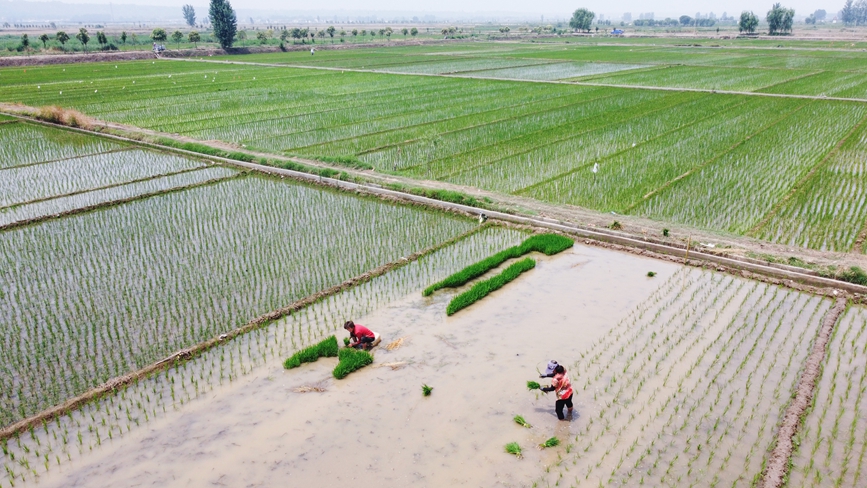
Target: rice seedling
x=346, y=342
x=549, y=244
x=351, y=360
x=532, y=385
x=552, y=442
x=327, y=349
x=426, y=390
x=514, y=449
x=651, y=274
x=665, y=232
x=520, y=421
x=395, y=344
x=484, y=288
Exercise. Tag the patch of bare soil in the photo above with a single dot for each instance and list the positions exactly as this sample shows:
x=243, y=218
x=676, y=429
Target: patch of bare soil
x=778, y=464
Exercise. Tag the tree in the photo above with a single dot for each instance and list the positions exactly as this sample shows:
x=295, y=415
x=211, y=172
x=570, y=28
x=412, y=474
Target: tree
x=413, y=32
x=388, y=32
x=224, y=21
x=331, y=30
x=101, y=39
x=194, y=37
x=685, y=20
x=123, y=37
x=178, y=36
x=159, y=35
x=242, y=35
x=295, y=33
x=44, y=38
x=404, y=31
x=190, y=15
x=83, y=37
x=62, y=37
x=284, y=35
x=354, y=32
x=780, y=19
x=25, y=41
x=581, y=19
x=748, y=22
x=820, y=14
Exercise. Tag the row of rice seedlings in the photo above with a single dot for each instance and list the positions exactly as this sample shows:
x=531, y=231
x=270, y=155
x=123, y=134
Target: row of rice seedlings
x=484, y=146
x=626, y=178
x=829, y=83
x=22, y=143
x=676, y=367
x=705, y=78
x=63, y=204
x=74, y=435
x=38, y=182
x=548, y=158
x=123, y=287
x=827, y=212
x=737, y=189
x=831, y=446
x=512, y=114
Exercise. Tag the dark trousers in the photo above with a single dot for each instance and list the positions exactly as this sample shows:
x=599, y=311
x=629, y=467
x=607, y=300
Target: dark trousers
x=365, y=340
x=563, y=403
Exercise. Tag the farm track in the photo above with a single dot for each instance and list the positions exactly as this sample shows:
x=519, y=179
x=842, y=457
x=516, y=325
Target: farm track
x=554, y=82
x=777, y=469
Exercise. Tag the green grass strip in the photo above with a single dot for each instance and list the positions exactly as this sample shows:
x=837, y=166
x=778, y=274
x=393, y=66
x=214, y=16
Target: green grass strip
x=545, y=243
x=483, y=288
x=351, y=360
x=327, y=348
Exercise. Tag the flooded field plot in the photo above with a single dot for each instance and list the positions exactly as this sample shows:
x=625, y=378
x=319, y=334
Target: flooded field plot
x=833, y=442
x=118, y=288
x=679, y=380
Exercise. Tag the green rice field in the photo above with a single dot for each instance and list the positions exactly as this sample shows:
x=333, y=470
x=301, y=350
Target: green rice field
x=484, y=115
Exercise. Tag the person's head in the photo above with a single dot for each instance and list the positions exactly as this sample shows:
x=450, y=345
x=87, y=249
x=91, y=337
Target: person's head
x=349, y=325
x=559, y=369
x=550, y=368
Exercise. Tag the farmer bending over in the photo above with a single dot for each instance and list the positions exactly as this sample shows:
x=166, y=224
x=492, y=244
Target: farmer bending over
x=563, y=388
x=360, y=337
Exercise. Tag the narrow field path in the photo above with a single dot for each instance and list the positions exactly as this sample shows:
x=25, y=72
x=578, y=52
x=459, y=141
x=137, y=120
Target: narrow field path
x=553, y=82
x=778, y=462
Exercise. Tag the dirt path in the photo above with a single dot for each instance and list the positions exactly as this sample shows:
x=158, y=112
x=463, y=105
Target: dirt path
x=778, y=462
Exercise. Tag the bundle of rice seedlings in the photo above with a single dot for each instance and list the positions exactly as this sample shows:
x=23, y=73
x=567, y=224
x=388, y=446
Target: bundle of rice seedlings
x=395, y=344
x=327, y=348
x=351, y=360
x=425, y=390
x=483, y=288
x=548, y=244
x=651, y=274
x=532, y=385
x=514, y=449
x=520, y=421
x=346, y=341
x=552, y=442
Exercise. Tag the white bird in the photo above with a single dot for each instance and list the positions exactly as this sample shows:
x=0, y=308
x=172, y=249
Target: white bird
x=595, y=168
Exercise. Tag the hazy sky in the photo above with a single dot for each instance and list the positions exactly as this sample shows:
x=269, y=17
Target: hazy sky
x=802, y=7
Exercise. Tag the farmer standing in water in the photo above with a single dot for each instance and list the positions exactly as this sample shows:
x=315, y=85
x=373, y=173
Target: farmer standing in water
x=562, y=386
x=360, y=337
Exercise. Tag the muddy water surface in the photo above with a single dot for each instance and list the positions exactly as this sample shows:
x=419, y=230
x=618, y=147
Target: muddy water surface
x=374, y=428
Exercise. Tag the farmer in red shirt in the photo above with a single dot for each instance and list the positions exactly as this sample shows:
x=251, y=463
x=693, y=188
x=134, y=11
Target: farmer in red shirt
x=563, y=387
x=360, y=336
